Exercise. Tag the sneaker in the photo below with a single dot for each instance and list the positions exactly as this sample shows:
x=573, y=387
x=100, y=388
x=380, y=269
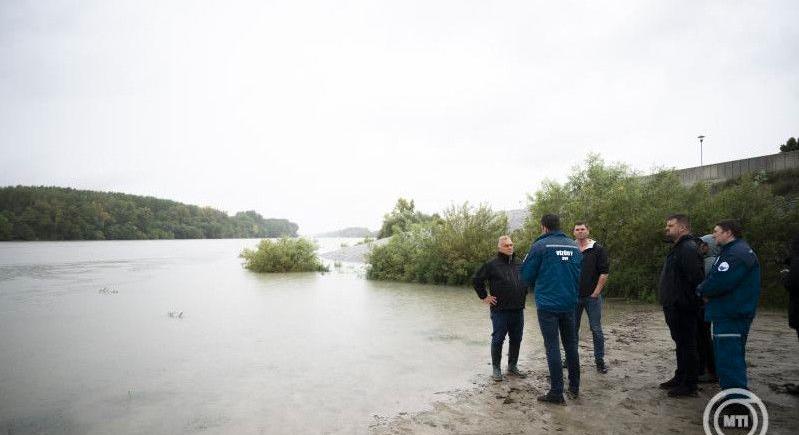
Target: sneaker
x=514, y=371
x=573, y=395
x=601, y=367
x=707, y=378
x=497, y=375
x=551, y=398
x=683, y=391
x=671, y=383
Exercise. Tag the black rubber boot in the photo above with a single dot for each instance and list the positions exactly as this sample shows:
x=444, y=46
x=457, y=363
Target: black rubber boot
x=496, y=360
x=513, y=358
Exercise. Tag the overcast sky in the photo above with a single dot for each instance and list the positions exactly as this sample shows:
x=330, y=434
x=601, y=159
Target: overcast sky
x=326, y=112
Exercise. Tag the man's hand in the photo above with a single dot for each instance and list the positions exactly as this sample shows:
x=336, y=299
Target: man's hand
x=595, y=294
x=490, y=300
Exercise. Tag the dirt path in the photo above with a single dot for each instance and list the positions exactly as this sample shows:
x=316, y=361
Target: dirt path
x=626, y=400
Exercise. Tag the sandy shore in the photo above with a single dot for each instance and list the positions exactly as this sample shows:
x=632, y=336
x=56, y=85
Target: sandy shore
x=626, y=400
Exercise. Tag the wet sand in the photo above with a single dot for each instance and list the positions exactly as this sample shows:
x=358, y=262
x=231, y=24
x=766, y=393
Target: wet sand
x=640, y=354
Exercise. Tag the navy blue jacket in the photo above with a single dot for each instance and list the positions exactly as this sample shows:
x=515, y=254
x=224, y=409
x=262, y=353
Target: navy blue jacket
x=733, y=285
x=552, y=267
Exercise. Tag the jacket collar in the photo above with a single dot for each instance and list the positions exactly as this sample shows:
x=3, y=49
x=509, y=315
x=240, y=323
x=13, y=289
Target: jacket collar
x=550, y=234
x=729, y=245
x=506, y=258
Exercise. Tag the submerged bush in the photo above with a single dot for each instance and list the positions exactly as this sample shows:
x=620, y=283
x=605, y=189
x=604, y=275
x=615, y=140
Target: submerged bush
x=283, y=255
x=443, y=251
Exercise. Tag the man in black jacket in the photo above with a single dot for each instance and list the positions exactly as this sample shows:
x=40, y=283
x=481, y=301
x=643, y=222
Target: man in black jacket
x=506, y=300
x=682, y=272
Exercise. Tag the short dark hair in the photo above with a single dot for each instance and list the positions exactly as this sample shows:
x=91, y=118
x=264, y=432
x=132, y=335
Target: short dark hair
x=731, y=225
x=681, y=219
x=578, y=223
x=551, y=221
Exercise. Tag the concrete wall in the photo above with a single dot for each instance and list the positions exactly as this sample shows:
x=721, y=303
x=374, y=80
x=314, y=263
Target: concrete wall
x=736, y=168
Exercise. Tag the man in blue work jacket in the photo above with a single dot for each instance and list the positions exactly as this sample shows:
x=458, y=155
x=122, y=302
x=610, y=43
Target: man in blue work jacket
x=552, y=267
x=731, y=290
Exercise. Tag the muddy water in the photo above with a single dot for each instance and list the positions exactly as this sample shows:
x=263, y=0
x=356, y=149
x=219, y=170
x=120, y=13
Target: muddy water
x=176, y=337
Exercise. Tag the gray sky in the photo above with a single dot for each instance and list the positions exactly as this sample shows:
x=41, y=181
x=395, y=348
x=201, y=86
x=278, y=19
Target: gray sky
x=325, y=112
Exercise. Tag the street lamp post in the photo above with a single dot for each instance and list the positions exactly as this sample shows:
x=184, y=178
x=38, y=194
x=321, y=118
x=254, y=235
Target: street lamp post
x=701, y=139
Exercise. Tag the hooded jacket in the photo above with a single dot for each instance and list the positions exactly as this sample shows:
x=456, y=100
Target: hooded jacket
x=713, y=251
x=552, y=268
x=502, y=275
x=733, y=286
x=682, y=272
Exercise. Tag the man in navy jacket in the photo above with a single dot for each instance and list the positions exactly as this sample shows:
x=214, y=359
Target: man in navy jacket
x=552, y=267
x=732, y=290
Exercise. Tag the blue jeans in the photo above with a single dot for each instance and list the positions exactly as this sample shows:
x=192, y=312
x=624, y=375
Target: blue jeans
x=510, y=323
x=593, y=307
x=552, y=324
x=729, y=346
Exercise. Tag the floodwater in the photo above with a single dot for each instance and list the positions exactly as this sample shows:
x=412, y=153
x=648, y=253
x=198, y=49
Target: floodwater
x=92, y=340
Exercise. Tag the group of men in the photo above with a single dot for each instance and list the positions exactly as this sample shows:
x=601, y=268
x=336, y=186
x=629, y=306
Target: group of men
x=568, y=276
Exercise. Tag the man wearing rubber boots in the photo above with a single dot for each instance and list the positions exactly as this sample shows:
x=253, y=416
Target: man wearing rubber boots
x=732, y=290
x=506, y=300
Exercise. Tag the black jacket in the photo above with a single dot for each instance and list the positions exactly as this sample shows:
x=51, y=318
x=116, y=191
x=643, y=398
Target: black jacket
x=792, y=284
x=504, y=281
x=595, y=263
x=683, y=270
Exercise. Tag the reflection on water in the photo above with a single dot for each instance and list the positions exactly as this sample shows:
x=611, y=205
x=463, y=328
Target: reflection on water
x=91, y=341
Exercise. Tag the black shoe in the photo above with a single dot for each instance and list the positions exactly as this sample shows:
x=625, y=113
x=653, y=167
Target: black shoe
x=671, y=383
x=601, y=367
x=573, y=395
x=551, y=398
x=514, y=371
x=683, y=391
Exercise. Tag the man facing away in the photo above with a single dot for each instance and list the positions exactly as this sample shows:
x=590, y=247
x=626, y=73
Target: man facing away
x=552, y=267
x=593, y=277
x=507, y=298
x=732, y=291
x=682, y=272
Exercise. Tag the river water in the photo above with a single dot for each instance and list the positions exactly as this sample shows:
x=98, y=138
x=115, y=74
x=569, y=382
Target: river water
x=88, y=344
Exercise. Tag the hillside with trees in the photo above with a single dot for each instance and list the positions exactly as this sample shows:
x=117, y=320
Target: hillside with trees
x=57, y=213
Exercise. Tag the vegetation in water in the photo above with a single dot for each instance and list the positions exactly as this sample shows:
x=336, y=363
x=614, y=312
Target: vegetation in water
x=283, y=255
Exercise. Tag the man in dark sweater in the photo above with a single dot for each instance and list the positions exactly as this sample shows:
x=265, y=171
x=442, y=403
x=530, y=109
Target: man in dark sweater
x=507, y=298
x=593, y=276
x=682, y=272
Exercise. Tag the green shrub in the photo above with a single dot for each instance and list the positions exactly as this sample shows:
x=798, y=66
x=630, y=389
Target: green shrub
x=442, y=251
x=283, y=255
x=626, y=213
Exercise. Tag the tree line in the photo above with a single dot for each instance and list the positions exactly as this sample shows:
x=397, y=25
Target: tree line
x=626, y=212
x=57, y=213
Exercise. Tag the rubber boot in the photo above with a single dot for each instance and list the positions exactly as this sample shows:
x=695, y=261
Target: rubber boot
x=496, y=359
x=513, y=358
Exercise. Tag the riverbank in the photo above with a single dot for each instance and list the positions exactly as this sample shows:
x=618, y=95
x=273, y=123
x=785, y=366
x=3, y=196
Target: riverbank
x=625, y=400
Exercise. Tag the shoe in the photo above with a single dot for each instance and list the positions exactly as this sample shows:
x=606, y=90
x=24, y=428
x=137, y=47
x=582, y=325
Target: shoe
x=671, y=383
x=573, y=395
x=707, y=378
x=551, y=398
x=601, y=367
x=683, y=391
x=497, y=374
x=514, y=371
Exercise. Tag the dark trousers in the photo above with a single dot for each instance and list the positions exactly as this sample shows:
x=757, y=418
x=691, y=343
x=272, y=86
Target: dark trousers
x=552, y=324
x=593, y=308
x=683, y=327
x=704, y=345
x=510, y=323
